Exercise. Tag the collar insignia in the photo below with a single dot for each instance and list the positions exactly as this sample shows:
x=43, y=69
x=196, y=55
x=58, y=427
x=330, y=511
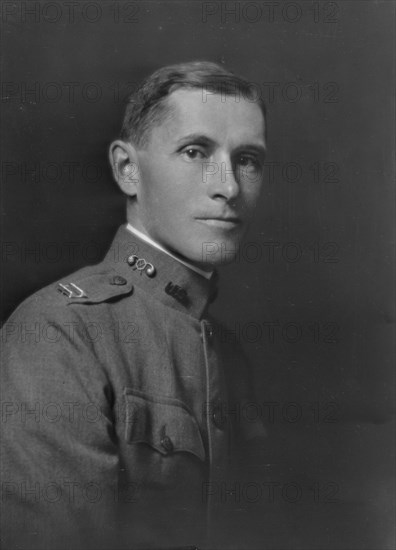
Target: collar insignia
x=178, y=293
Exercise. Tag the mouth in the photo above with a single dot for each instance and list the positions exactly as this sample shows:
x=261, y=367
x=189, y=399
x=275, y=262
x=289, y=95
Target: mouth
x=221, y=222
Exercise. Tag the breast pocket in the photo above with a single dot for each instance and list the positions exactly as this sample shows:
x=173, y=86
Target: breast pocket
x=164, y=424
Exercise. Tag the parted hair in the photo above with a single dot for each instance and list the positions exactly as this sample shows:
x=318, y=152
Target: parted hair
x=147, y=105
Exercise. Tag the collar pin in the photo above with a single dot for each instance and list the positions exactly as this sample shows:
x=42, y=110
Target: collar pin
x=141, y=265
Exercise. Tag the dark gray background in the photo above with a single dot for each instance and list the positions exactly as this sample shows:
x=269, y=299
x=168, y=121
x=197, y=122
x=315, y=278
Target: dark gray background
x=335, y=301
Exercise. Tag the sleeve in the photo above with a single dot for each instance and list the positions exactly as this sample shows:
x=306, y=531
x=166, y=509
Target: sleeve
x=59, y=458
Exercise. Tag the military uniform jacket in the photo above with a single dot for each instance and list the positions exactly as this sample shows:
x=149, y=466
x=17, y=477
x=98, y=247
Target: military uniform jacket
x=116, y=403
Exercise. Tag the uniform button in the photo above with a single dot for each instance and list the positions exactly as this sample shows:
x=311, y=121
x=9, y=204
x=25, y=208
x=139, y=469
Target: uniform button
x=209, y=330
x=118, y=280
x=218, y=418
x=167, y=444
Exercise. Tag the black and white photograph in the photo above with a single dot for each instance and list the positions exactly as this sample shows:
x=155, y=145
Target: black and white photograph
x=197, y=275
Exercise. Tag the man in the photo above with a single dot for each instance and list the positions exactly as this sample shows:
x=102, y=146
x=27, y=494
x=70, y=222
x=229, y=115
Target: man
x=116, y=430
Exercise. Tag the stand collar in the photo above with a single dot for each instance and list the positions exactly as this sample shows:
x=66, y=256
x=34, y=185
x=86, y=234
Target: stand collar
x=153, y=243
x=161, y=275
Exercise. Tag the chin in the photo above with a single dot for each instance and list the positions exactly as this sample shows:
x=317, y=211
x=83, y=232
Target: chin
x=216, y=253
x=221, y=260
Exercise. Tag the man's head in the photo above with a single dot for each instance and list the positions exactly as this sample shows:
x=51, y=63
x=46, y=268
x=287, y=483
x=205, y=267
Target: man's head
x=190, y=159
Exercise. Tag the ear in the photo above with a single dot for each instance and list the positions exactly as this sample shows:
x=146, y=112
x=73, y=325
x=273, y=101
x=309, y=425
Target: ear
x=123, y=160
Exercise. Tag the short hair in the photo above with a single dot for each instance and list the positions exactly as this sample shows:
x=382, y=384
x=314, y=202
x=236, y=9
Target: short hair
x=146, y=106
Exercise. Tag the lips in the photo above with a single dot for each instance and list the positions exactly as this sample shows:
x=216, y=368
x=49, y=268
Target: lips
x=224, y=222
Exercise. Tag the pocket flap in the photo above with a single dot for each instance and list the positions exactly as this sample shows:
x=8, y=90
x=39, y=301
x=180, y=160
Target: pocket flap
x=164, y=423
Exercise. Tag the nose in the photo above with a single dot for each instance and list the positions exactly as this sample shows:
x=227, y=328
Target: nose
x=221, y=179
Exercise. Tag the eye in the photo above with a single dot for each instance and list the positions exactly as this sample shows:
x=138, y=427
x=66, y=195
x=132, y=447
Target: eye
x=193, y=153
x=248, y=161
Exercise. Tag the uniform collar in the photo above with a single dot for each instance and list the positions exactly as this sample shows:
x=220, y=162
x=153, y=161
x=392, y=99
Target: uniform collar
x=161, y=275
x=153, y=243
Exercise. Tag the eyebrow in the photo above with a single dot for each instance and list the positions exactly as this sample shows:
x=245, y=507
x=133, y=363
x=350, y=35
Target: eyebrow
x=259, y=149
x=205, y=140
x=196, y=138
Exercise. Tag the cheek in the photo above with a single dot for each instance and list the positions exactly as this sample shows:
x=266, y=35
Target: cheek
x=152, y=186
x=251, y=192
x=178, y=188
x=165, y=201
x=169, y=189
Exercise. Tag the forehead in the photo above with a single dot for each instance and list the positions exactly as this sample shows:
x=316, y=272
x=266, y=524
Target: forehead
x=221, y=118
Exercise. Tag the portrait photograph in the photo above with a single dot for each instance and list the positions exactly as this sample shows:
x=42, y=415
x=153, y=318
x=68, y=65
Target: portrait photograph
x=197, y=275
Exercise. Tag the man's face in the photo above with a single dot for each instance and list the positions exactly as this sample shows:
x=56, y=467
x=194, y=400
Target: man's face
x=201, y=175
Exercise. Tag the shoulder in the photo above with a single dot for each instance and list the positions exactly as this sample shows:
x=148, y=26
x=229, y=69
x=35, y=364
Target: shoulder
x=90, y=285
x=52, y=333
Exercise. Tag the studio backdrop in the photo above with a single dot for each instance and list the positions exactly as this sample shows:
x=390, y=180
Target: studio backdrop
x=310, y=293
